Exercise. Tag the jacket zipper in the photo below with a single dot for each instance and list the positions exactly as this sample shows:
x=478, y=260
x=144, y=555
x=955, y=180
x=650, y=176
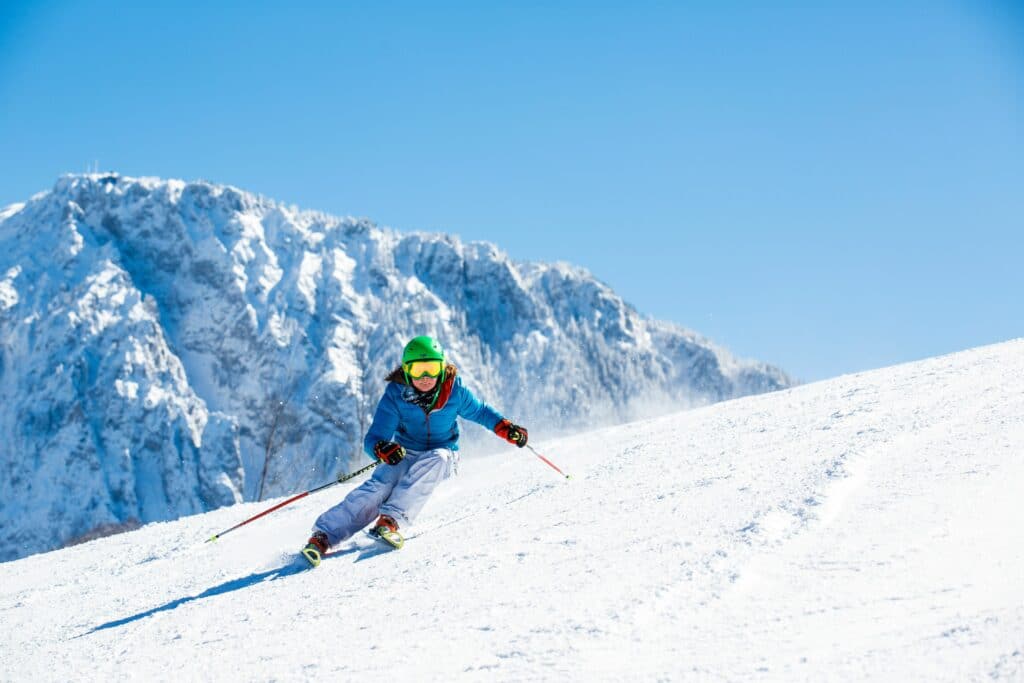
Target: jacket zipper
x=426, y=418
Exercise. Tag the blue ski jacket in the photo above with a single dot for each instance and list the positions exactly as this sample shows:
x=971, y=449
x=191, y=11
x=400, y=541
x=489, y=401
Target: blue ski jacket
x=399, y=419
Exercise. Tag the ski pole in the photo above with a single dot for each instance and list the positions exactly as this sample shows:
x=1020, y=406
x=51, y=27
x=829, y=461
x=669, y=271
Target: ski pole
x=551, y=464
x=344, y=477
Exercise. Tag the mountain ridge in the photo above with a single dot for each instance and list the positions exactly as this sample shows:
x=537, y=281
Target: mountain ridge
x=168, y=347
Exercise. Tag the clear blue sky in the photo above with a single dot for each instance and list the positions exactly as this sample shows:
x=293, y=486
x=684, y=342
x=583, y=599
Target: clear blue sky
x=830, y=189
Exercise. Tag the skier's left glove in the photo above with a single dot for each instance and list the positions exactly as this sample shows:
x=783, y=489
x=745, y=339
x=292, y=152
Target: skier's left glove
x=514, y=434
x=389, y=452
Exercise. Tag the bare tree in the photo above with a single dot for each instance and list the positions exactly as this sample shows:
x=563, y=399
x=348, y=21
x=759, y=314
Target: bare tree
x=280, y=418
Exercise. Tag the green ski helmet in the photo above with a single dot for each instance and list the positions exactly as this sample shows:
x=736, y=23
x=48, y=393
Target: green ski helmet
x=422, y=348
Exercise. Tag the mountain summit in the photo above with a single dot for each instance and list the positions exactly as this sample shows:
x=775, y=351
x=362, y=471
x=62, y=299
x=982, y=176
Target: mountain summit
x=170, y=347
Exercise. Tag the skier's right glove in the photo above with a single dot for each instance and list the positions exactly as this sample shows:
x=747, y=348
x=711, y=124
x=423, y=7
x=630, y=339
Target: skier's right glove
x=389, y=452
x=514, y=434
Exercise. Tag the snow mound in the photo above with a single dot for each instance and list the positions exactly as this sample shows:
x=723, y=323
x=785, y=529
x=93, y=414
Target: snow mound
x=866, y=527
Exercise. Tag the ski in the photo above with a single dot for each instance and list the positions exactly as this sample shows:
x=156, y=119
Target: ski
x=313, y=555
x=386, y=535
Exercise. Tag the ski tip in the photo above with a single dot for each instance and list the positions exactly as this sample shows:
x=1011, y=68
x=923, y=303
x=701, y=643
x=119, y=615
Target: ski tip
x=385, y=535
x=212, y=538
x=312, y=556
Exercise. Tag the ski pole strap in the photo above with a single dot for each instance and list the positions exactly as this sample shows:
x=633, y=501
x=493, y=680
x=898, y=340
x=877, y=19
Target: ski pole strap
x=550, y=464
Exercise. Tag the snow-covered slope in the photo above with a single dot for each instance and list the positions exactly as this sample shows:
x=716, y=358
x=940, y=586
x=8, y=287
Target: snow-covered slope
x=867, y=527
x=170, y=347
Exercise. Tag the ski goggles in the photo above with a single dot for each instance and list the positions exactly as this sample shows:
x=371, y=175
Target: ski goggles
x=424, y=368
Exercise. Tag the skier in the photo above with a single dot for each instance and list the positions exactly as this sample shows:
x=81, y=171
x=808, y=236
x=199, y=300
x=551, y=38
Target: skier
x=415, y=435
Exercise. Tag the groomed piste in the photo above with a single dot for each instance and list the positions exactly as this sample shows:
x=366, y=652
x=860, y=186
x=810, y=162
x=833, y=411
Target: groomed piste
x=865, y=527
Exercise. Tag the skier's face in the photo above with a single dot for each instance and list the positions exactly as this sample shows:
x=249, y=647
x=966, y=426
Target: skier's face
x=424, y=384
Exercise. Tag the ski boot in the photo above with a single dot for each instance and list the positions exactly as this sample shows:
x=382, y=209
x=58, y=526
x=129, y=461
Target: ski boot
x=316, y=548
x=386, y=529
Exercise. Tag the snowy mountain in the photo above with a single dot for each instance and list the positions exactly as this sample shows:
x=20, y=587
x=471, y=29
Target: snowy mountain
x=167, y=348
x=863, y=528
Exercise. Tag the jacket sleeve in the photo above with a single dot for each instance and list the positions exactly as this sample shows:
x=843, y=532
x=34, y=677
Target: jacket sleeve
x=385, y=422
x=472, y=408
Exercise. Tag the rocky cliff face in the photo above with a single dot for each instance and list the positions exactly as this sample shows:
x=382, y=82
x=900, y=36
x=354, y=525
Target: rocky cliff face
x=170, y=347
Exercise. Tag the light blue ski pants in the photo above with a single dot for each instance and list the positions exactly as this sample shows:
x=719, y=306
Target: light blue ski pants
x=398, y=491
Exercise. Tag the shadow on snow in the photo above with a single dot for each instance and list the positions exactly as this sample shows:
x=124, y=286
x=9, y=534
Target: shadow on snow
x=295, y=567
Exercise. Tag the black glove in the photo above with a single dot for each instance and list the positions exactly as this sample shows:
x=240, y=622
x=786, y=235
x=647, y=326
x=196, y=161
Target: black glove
x=389, y=452
x=514, y=434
